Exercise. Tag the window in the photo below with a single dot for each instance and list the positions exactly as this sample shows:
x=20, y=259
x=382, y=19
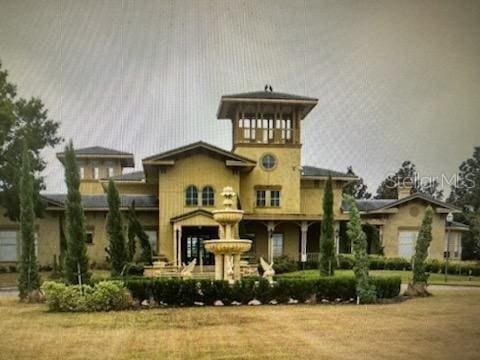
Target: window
x=275, y=198
x=208, y=196
x=152, y=239
x=95, y=171
x=277, y=245
x=261, y=198
x=8, y=245
x=89, y=239
x=406, y=243
x=110, y=172
x=191, y=196
x=268, y=162
x=82, y=172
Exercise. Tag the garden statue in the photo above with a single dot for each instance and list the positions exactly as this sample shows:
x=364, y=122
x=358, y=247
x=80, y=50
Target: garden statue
x=268, y=271
x=186, y=272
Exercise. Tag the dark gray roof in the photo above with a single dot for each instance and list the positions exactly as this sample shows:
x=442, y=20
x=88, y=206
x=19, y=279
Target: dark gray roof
x=132, y=176
x=99, y=150
x=459, y=225
x=268, y=95
x=315, y=171
x=100, y=201
x=369, y=205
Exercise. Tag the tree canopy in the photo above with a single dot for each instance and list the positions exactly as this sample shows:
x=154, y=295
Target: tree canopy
x=357, y=189
x=466, y=195
x=408, y=173
x=22, y=121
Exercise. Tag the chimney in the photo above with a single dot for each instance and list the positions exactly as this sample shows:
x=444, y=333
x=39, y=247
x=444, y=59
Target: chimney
x=404, y=189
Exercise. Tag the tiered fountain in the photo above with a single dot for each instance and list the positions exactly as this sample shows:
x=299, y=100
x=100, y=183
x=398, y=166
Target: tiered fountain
x=227, y=250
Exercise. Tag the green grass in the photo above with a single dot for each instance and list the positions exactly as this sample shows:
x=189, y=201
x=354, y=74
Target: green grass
x=435, y=279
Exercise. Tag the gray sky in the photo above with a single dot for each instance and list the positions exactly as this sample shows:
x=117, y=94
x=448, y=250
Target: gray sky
x=396, y=80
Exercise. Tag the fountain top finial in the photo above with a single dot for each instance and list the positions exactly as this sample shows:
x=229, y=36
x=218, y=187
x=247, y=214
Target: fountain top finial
x=228, y=196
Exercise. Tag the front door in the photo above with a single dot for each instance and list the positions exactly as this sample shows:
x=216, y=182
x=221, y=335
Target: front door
x=192, y=243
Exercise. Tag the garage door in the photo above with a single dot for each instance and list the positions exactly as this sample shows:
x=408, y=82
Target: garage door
x=8, y=246
x=406, y=243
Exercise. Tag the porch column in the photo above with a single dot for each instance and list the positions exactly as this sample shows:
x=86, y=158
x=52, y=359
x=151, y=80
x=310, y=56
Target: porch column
x=380, y=235
x=303, y=245
x=336, y=227
x=178, y=241
x=270, y=230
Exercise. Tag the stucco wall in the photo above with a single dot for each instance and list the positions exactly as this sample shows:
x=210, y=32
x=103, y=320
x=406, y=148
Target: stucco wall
x=199, y=170
x=409, y=217
x=311, y=201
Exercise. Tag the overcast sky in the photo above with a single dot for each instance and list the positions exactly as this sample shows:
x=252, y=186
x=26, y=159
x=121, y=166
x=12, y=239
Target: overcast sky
x=395, y=80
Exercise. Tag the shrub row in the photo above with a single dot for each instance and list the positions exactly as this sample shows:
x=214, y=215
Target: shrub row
x=104, y=296
x=345, y=261
x=175, y=292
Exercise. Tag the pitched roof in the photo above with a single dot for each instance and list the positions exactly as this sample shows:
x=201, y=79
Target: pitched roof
x=126, y=158
x=195, y=147
x=383, y=204
x=459, y=225
x=97, y=202
x=228, y=103
x=268, y=95
x=131, y=176
x=320, y=172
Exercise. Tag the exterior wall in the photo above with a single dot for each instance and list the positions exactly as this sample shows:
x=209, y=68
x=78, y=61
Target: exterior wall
x=409, y=217
x=48, y=236
x=286, y=174
x=48, y=232
x=89, y=185
x=136, y=188
x=311, y=197
x=291, y=239
x=199, y=170
x=96, y=221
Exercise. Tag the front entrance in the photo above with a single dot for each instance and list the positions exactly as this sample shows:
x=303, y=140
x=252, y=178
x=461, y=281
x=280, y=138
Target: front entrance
x=192, y=243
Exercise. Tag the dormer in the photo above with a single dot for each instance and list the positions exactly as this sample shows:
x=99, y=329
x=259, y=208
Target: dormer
x=265, y=117
x=95, y=163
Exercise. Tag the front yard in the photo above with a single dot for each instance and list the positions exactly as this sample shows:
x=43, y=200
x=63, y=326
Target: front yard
x=441, y=327
x=434, y=279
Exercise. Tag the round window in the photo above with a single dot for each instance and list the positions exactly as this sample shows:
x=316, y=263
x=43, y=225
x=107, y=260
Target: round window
x=269, y=162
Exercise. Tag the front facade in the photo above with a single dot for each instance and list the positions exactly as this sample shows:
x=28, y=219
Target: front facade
x=281, y=197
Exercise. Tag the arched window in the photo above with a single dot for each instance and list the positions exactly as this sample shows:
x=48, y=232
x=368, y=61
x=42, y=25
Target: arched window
x=191, y=196
x=208, y=196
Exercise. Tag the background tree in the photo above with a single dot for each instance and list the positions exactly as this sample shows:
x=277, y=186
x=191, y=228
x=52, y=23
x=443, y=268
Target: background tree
x=418, y=286
x=407, y=173
x=365, y=289
x=29, y=279
x=22, y=121
x=466, y=195
x=327, y=241
x=357, y=189
x=76, y=258
x=136, y=231
x=117, y=250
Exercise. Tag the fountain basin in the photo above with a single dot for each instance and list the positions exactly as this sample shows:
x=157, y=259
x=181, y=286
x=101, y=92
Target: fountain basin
x=228, y=247
x=227, y=216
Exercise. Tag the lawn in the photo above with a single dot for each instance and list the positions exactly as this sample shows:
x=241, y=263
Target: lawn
x=441, y=327
x=435, y=279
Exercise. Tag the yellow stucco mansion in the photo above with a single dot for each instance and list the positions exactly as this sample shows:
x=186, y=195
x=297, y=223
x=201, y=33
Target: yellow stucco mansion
x=281, y=197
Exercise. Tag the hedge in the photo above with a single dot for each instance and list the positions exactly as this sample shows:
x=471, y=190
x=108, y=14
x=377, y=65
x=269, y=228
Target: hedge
x=345, y=261
x=176, y=292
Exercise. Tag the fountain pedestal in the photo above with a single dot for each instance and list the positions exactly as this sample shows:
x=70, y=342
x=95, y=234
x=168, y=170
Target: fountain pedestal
x=228, y=250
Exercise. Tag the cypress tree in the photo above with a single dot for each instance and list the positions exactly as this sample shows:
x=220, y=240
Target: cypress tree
x=418, y=287
x=29, y=279
x=136, y=230
x=327, y=244
x=365, y=289
x=76, y=258
x=117, y=250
